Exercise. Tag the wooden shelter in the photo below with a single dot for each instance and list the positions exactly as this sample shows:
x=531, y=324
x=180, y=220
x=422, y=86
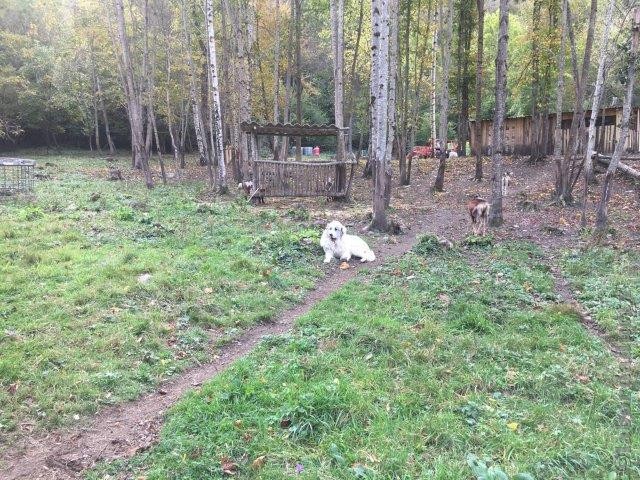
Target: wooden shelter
x=276, y=178
x=518, y=132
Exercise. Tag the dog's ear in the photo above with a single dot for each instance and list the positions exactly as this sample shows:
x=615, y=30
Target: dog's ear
x=343, y=229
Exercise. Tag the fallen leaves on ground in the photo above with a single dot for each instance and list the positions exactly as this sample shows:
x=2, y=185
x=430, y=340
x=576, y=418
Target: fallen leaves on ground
x=229, y=467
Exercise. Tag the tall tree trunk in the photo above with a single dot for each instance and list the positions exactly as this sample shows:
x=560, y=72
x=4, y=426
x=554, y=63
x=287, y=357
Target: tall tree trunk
x=355, y=85
x=216, y=113
x=288, y=80
x=298, y=29
x=105, y=118
x=172, y=136
x=535, y=83
x=434, y=133
x=445, y=48
x=94, y=102
x=463, y=119
x=239, y=15
x=419, y=73
x=184, y=130
x=133, y=97
x=607, y=186
x=595, y=106
x=479, y=70
x=96, y=124
x=337, y=41
x=149, y=73
x=403, y=140
x=497, y=144
x=381, y=17
x=557, y=133
x=276, y=81
x=577, y=123
x=391, y=99
x=196, y=102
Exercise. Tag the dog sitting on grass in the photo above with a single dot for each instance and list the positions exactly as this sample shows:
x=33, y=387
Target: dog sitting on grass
x=337, y=243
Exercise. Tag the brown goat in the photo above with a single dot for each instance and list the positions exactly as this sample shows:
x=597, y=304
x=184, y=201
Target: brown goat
x=479, y=213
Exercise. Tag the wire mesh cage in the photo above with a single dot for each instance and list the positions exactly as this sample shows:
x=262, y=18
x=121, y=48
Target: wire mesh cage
x=16, y=175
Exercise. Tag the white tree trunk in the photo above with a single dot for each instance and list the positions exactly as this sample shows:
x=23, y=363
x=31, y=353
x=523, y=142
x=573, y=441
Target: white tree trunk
x=215, y=100
x=381, y=17
x=597, y=94
x=595, y=106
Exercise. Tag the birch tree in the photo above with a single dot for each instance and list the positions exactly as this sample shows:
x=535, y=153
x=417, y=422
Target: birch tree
x=446, y=24
x=497, y=140
x=216, y=113
x=595, y=106
x=381, y=80
x=607, y=186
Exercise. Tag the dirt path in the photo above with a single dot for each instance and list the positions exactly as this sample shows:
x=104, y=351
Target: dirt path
x=121, y=431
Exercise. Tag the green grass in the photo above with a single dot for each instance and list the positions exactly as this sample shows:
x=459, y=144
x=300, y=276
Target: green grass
x=607, y=282
x=432, y=368
x=77, y=327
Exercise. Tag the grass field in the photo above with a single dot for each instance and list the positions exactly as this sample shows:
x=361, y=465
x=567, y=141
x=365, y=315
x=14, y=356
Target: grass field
x=107, y=288
x=607, y=282
x=439, y=366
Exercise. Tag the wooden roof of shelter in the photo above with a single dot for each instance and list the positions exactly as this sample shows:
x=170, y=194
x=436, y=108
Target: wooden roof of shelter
x=289, y=129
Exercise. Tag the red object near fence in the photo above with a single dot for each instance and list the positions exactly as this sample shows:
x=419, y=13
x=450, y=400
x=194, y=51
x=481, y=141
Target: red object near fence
x=421, y=151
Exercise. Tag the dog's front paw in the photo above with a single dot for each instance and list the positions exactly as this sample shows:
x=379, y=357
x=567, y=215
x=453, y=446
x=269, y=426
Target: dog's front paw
x=327, y=260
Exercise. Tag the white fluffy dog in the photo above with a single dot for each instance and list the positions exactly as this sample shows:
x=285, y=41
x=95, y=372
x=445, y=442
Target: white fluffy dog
x=336, y=243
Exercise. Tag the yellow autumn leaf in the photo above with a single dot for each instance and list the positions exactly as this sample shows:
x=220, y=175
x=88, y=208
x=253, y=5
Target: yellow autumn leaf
x=513, y=426
x=259, y=462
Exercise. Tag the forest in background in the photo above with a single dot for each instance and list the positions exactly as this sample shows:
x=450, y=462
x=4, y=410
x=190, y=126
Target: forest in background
x=169, y=74
x=61, y=84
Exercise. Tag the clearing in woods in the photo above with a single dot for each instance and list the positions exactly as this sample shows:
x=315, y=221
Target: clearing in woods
x=407, y=370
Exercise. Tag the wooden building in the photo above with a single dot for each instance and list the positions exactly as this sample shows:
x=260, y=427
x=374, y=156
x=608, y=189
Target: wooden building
x=518, y=132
